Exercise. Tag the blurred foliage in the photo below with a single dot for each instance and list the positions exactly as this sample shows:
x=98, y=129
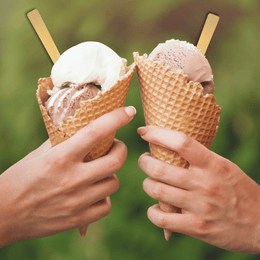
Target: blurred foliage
x=128, y=26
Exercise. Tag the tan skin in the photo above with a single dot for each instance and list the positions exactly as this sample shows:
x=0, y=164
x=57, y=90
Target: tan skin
x=220, y=203
x=52, y=190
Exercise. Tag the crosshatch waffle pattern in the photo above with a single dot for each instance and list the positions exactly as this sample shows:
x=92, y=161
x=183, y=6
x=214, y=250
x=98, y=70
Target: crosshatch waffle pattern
x=90, y=110
x=170, y=101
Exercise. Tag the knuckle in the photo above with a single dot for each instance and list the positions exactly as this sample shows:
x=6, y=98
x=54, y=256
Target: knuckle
x=185, y=197
x=78, y=220
x=142, y=161
x=202, y=228
x=161, y=220
x=73, y=204
x=185, y=142
x=74, y=221
x=123, y=150
x=106, y=209
x=70, y=207
x=90, y=132
x=145, y=184
x=211, y=190
x=102, y=209
x=208, y=209
x=158, y=170
x=115, y=184
x=117, y=163
x=223, y=167
x=157, y=191
x=209, y=187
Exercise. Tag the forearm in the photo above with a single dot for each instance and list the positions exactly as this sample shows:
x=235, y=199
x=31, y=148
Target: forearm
x=255, y=245
x=7, y=215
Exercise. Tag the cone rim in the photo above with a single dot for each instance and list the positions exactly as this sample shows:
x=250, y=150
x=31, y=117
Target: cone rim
x=167, y=69
x=130, y=71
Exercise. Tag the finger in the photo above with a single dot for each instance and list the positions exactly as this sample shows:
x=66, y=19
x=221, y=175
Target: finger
x=98, y=191
x=167, y=173
x=194, y=152
x=93, y=213
x=82, y=218
x=175, y=222
x=167, y=194
x=88, y=137
x=102, y=167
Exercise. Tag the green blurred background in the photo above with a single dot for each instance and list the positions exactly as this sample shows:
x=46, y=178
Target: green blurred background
x=128, y=26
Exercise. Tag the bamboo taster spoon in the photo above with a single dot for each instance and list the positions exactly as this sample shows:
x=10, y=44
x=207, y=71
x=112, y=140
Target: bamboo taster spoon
x=44, y=35
x=207, y=32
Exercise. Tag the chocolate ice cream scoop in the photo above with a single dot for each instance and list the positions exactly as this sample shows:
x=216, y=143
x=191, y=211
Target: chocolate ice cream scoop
x=65, y=102
x=181, y=55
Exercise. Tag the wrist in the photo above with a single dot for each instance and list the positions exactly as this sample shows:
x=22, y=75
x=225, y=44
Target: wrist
x=256, y=237
x=255, y=228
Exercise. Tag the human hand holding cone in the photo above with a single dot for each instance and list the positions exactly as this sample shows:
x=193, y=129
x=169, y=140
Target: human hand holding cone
x=89, y=110
x=171, y=101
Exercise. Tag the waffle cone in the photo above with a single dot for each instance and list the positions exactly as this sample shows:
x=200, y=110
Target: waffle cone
x=90, y=110
x=170, y=101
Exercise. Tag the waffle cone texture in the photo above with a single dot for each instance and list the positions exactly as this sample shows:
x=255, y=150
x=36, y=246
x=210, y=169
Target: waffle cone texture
x=90, y=110
x=170, y=101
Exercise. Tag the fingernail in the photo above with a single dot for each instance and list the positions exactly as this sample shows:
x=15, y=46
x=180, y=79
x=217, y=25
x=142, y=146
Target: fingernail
x=131, y=111
x=142, y=130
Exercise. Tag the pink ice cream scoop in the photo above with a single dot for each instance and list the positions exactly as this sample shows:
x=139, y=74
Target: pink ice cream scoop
x=65, y=102
x=181, y=55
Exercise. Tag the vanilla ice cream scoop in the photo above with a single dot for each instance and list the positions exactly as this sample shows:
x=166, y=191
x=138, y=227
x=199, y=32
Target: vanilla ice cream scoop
x=80, y=74
x=87, y=62
x=181, y=55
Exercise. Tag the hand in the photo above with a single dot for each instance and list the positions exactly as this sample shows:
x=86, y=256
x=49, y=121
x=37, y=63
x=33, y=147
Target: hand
x=52, y=190
x=220, y=203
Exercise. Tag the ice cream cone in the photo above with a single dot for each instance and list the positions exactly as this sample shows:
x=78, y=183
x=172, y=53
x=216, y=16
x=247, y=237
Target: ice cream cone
x=170, y=101
x=90, y=110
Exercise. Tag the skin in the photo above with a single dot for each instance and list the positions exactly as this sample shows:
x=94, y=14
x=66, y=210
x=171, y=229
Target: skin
x=220, y=203
x=52, y=190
